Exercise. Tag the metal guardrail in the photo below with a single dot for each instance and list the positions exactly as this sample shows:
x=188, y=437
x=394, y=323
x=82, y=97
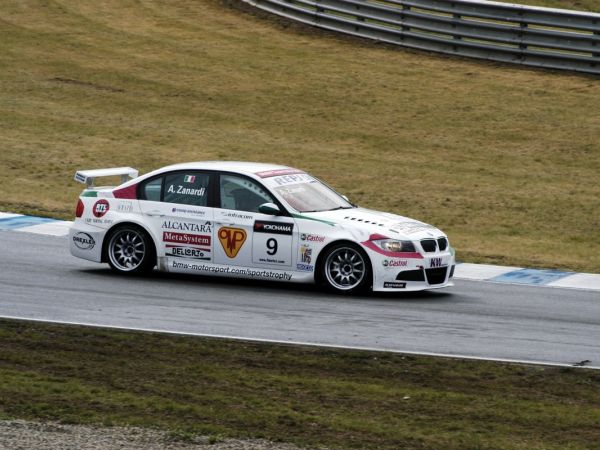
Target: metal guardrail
x=527, y=35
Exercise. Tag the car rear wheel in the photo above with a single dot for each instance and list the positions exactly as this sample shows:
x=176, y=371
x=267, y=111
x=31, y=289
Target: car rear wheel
x=346, y=269
x=130, y=251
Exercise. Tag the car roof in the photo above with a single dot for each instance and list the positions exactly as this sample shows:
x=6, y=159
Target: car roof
x=245, y=167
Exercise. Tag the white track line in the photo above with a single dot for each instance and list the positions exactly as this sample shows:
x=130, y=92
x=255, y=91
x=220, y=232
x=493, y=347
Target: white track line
x=308, y=344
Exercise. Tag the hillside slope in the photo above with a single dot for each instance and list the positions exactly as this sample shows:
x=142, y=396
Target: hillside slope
x=506, y=160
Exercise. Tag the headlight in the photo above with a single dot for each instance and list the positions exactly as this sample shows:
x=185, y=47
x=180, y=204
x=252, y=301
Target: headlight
x=394, y=246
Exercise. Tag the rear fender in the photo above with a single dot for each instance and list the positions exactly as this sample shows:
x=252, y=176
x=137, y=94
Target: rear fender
x=135, y=223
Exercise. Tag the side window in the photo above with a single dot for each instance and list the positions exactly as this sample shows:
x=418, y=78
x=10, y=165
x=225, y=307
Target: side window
x=242, y=194
x=152, y=189
x=188, y=188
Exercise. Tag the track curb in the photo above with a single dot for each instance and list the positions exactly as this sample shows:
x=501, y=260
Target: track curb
x=464, y=271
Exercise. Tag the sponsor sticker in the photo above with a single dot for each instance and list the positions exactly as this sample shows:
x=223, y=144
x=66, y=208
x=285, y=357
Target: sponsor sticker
x=93, y=220
x=411, y=227
x=237, y=271
x=435, y=262
x=125, y=207
x=232, y=240
x=394, y=263
x=185, y=238
x=305, y=254
x=100, y=208
x=394, y=285
x=184, y=226
x=293, y=179
x=271, y=261
x=83, y=241
x=236, y=215
x=261, y=226
x=188, y=252
x=188, y=211
x=305, y=267
x=312, y=238
x=274, y=173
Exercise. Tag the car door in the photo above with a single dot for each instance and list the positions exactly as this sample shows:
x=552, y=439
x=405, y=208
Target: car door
x=243, y=235
x=176, y=206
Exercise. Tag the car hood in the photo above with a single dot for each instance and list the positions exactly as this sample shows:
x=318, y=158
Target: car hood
x=377, y=222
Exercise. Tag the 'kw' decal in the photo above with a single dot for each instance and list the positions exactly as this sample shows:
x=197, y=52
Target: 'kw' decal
x=435, y=262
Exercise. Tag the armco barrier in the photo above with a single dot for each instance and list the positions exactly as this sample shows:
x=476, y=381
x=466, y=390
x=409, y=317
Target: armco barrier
x=532, y=36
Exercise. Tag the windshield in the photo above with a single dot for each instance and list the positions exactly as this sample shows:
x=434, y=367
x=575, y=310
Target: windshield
x=306, y=194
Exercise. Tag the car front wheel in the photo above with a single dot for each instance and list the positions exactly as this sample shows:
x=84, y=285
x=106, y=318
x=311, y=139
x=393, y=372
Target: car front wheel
x=130, y=251
x=345, y=269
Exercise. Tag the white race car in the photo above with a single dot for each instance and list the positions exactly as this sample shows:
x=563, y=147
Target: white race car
x=251, y=220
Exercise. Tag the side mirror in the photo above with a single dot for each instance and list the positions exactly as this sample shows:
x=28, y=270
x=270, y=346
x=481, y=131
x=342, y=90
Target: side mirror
x=269, y=208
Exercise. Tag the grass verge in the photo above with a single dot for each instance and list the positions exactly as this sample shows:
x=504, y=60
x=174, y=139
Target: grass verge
x=504, y=159
x=309, y=396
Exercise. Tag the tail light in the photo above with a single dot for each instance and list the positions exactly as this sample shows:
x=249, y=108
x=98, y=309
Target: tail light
x=79, y=210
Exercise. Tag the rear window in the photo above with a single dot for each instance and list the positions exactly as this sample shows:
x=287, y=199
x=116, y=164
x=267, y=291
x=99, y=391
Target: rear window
x=152, y=189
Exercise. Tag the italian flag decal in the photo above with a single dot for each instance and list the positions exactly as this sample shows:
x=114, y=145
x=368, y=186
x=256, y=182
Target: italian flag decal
x=189, y=178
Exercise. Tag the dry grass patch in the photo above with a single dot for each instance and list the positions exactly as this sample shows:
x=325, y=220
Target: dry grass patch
x=506, y=160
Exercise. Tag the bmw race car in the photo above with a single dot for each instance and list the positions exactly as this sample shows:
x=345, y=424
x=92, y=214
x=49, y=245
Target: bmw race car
x=251, y=220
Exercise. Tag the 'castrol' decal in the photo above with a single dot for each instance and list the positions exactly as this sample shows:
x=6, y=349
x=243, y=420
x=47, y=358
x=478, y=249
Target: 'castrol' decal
x=100, y=208
x=232, y=240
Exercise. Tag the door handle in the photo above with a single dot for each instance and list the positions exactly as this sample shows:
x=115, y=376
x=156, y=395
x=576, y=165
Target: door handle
x=155, y=213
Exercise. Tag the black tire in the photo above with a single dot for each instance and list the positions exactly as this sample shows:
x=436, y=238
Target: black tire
x=130, y=250
x=345, y=269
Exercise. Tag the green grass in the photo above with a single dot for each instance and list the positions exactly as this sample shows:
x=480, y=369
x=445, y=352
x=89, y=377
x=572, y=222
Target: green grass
x=504, y=159
x=309, y=396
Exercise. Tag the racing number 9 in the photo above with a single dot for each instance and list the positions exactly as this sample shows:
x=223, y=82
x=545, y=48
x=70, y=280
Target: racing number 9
x=271, y=246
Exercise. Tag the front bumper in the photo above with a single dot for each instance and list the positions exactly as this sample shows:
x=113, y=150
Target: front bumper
x=430, y=271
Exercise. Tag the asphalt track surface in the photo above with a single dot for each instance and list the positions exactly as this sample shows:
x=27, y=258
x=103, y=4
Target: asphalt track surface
x=40, y=280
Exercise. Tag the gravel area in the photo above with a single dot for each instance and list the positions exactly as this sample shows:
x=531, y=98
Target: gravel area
x=24, y=435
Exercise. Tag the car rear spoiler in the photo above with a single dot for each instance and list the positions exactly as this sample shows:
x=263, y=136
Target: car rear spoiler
x=87, y=177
